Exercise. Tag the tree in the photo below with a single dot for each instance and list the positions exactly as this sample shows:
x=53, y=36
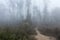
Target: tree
x=36, y=16
x=28, y=17
x=16, y=11
x=45, y=19
x=56, y=12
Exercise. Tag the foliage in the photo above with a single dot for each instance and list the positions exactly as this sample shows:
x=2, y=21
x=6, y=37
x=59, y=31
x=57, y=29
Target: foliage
x=23, y=32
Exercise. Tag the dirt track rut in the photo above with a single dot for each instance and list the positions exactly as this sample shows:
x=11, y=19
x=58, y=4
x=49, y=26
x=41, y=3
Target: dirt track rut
x=39, y=36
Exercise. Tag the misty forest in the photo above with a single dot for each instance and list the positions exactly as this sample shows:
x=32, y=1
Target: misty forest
x=29, y=20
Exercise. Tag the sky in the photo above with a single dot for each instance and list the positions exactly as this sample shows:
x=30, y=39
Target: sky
x=51, y=4
x=4, y=4
x=39, y=3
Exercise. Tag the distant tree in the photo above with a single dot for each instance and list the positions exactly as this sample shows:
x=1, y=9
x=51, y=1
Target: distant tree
x=36, y=16
x=56, y=15
x=20, y=9
x=45, y=11
x=28, y=17
x=16, y=11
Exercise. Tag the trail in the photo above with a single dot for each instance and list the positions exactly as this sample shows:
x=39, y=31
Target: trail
x=39, y=36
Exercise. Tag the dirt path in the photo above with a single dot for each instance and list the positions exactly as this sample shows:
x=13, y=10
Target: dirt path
x=42, y=37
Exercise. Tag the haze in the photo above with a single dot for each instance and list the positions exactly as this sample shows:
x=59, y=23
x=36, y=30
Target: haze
x=10, y=12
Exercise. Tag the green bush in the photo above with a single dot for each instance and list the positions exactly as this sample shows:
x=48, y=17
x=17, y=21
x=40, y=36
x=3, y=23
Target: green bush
x=23, y=32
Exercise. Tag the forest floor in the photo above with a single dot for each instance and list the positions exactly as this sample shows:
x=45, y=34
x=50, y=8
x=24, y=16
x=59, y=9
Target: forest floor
x=39, y=36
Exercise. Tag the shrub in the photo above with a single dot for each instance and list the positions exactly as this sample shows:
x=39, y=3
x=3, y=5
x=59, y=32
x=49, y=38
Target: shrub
x=23, y=32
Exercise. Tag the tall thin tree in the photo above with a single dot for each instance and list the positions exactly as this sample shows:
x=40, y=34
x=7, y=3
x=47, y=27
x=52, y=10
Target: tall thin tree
x=45, y=12
x=28, y=4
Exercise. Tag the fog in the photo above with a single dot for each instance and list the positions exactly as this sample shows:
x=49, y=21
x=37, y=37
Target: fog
x=42, y=11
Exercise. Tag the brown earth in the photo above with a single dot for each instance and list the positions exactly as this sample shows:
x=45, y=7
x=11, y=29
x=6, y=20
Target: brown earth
x=39, y=36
